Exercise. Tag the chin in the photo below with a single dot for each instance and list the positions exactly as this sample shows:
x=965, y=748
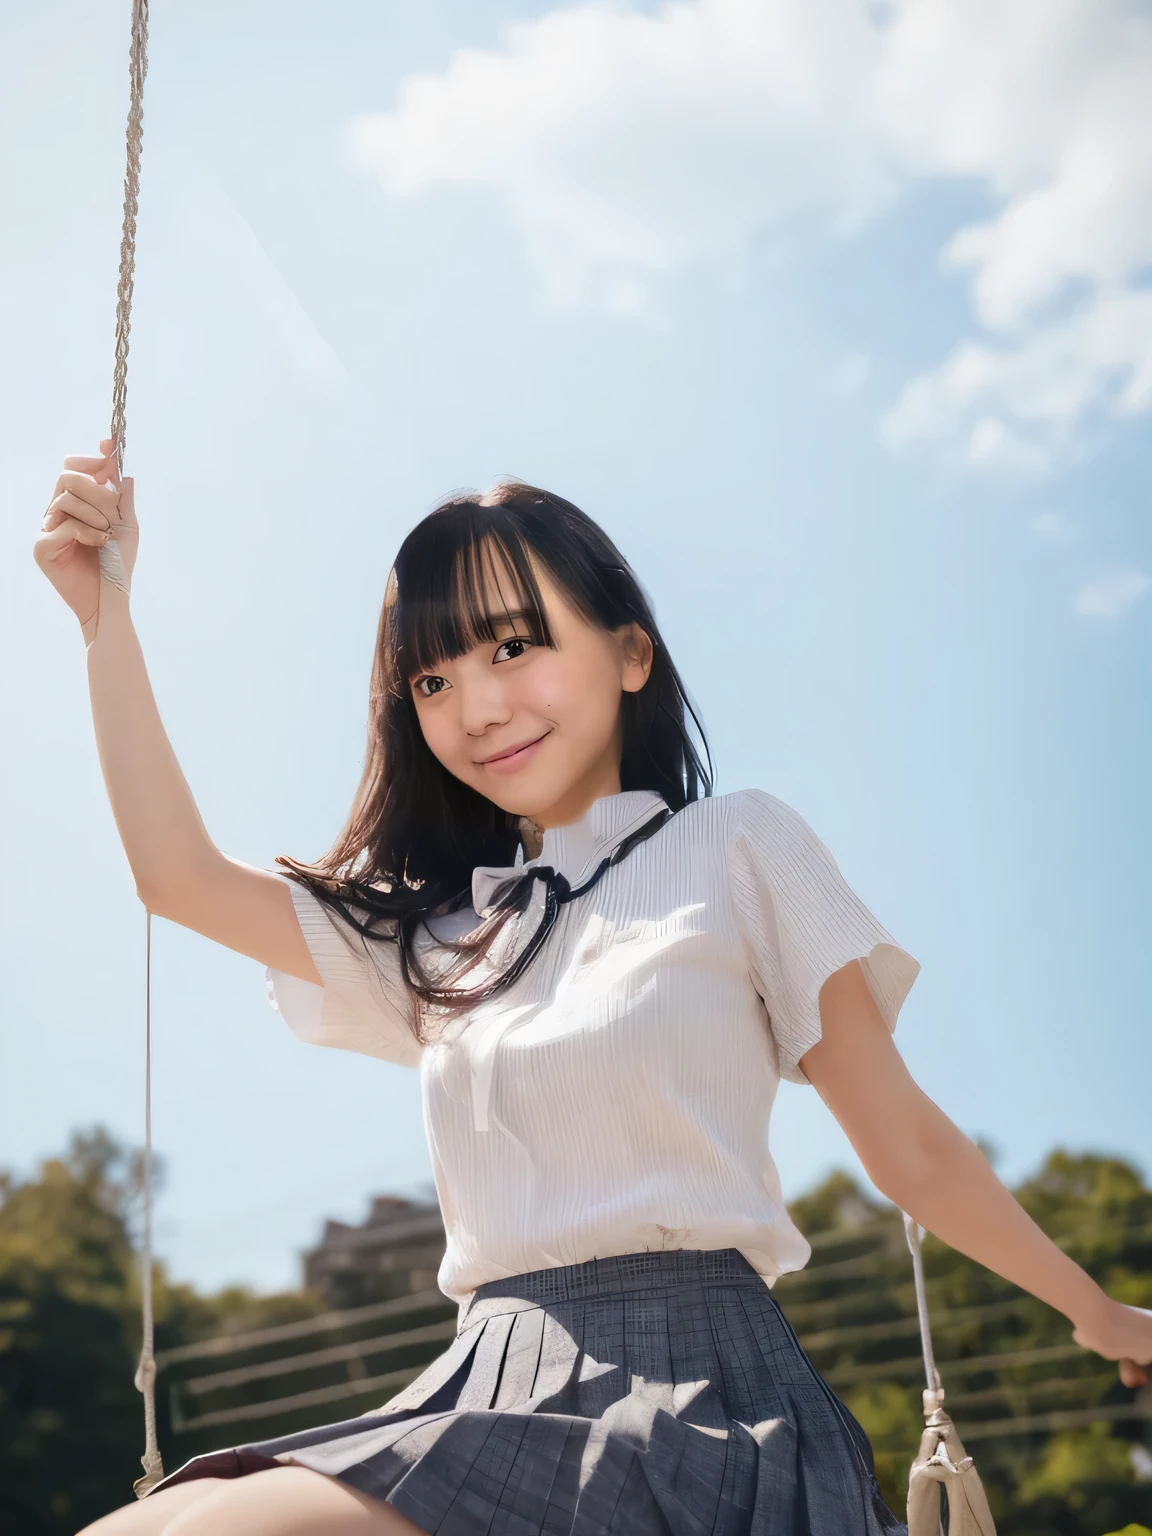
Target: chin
x=530, y=798
x=528, y=805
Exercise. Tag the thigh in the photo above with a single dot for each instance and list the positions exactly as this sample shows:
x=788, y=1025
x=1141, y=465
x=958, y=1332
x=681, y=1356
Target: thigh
x=288, y=1501
x=151, y=1516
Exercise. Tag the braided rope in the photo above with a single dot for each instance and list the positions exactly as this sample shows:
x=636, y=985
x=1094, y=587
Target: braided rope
x=915, y=1236
x=111, y=564
x=137, y=70
x=112, y=569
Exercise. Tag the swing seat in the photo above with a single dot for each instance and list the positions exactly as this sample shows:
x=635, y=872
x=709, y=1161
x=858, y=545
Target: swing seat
x=942, y=1462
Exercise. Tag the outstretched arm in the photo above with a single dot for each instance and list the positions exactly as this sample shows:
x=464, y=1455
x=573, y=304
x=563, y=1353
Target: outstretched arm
x=180, y=874
x=915, y=1156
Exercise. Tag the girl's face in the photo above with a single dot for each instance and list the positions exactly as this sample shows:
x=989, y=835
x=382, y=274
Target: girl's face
x=534, y=729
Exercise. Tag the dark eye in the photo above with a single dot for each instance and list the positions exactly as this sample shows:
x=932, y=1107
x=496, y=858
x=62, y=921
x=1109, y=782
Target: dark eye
x=512, y=648
x=430, y=685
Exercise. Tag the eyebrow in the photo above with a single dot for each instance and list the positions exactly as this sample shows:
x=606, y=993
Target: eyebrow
x=507, y=616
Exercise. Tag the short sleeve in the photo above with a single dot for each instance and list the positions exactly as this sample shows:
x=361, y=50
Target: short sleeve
x=800, y=922
x=363, y=1004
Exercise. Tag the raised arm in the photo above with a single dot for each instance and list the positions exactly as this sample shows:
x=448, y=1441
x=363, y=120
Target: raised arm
x=914, y=1154
x=180, y=874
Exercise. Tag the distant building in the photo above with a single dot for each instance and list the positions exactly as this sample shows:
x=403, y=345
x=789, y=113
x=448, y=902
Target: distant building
x=396, y=1251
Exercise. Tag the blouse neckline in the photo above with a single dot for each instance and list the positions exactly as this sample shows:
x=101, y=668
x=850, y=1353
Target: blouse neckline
x=574, y=849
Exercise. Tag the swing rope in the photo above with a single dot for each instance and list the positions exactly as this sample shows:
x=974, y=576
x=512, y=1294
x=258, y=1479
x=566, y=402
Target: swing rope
x=112, y=570
x=137, y=69
x=941, y=1467
x=145, y=1379
x=915, y=1235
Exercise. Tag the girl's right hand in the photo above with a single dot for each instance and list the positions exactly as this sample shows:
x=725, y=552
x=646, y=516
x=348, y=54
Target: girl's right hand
x=89, y=506
x=1121, y=1333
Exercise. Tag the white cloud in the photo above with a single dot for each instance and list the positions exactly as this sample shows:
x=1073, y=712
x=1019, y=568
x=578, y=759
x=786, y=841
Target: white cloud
x=628, y=147
x=1049, y=103
x=1111, y=594
x=1033, y=398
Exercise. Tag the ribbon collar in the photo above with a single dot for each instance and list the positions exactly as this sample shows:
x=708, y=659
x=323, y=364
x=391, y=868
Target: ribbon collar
x=576, y=851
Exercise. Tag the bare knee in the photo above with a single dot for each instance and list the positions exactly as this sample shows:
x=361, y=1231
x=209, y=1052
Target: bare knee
x=152, y=1516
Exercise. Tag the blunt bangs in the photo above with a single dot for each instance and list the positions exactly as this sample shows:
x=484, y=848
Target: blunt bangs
x=459, y=575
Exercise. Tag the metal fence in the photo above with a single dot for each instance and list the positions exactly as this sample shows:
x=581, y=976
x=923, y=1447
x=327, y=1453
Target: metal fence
x=275, y=1380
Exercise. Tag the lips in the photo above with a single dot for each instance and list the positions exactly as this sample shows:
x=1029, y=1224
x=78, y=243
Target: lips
x=513, y=757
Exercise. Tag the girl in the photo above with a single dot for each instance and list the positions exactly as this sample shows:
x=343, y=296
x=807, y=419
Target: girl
x=602, y=972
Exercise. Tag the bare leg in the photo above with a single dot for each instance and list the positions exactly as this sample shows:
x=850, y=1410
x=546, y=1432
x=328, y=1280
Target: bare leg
x=150, y=1516
x=287, y=1501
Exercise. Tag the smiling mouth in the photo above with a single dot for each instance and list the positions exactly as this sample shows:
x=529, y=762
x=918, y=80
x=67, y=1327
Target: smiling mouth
x=513, y=757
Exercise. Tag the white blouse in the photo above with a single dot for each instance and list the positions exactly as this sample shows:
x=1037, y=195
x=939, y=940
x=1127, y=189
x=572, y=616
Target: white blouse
x=616, y=1097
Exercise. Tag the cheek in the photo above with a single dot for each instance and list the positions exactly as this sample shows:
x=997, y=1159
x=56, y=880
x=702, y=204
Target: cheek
x=551, y=687
x=440, y=734
x=575, y=689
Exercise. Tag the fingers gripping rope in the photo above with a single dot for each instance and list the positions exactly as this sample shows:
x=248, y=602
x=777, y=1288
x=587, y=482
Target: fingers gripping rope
x=112, y=570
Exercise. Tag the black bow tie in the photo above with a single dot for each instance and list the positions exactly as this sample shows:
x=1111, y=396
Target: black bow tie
x=512, y=898
x=514, y=894
x=559, y=892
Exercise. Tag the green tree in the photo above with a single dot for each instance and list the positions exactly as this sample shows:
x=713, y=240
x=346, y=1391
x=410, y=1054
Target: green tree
x=69, y=1414
x=854, y=1308
x=71, y=1420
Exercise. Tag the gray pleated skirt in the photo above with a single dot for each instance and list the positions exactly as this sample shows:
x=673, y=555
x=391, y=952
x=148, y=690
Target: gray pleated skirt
x=650, y=1394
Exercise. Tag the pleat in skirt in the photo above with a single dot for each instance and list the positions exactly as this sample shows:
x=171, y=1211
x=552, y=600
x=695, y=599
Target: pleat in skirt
x=648, y=1394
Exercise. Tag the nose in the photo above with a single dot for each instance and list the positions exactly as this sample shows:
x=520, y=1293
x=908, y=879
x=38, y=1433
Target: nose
x=485, y=703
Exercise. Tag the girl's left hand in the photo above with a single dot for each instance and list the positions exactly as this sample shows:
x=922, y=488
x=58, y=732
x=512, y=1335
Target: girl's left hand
x=1120, y=1333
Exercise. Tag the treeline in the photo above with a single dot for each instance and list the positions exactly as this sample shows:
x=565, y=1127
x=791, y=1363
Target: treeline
x=1063, y=1448
x=71, y=1422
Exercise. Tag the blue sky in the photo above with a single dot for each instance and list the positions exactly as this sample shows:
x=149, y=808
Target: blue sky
x=836, y=316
